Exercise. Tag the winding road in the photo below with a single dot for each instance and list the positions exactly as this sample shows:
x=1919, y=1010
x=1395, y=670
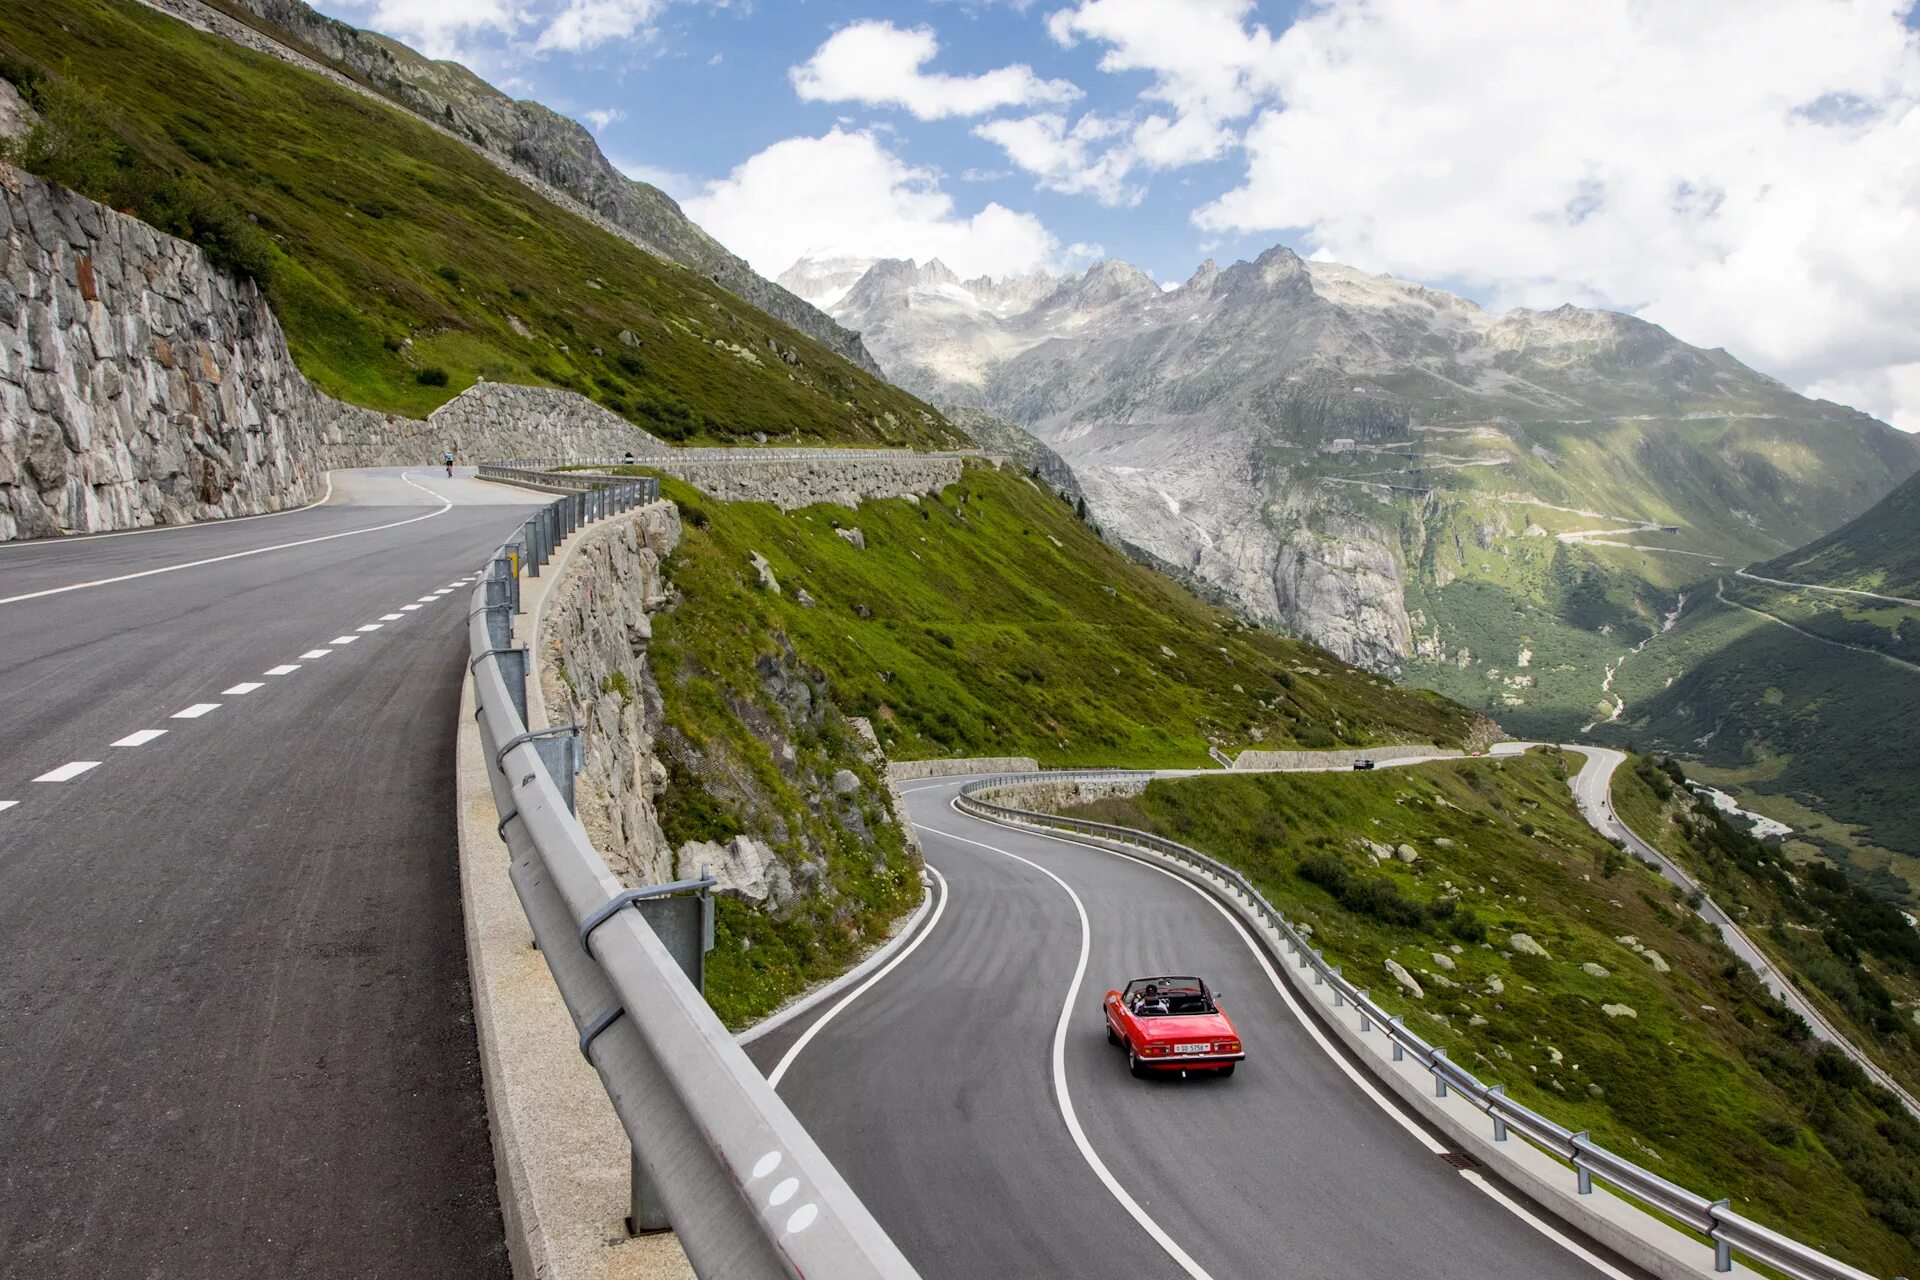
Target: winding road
x=236, y=1036
x=970, y=1097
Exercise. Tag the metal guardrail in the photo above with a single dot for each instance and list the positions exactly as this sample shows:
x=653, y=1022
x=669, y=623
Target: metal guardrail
x=742, y=454
x=1728, y=1230
x=717, y=1156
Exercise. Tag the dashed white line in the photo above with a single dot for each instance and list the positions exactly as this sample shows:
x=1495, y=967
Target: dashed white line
x=371, y=626
x=195, y=711
x=140, y=737
x=391, y=617
x=343, y=640
x=444, y=591
x=245, y=686
x=8, y=804
x=427, y=599
x=69, y=770
x=284, y=669
x=786, y=1059
x=409, y=607
x=315, y=653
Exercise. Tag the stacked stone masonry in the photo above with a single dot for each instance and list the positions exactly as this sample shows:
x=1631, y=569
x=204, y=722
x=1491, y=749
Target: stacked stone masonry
x=141, y=386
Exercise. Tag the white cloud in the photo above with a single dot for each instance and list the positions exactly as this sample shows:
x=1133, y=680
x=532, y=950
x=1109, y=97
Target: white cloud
x=582, y=24
x=434, y=27
x=846, y=195
x=1749, y=178
x=1068, y=158
x=879, y=64
x=601, y=117
x=680, y=186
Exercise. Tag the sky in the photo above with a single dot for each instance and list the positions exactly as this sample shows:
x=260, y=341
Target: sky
x=1743, y=172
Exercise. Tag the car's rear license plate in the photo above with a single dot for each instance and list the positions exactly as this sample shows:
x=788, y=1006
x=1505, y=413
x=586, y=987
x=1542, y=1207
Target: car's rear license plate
x=1191, y=1048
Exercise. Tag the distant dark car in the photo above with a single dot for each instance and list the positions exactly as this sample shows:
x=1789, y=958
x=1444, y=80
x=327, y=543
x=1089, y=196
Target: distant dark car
x=1363, y=764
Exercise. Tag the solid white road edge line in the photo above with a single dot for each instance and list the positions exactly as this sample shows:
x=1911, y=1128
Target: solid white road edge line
x=1366, y=1086
x=1061, y=1094
x=793, y=1051
x=827, y=991
x=234, y=555
x=326, y=496
x=8, y=804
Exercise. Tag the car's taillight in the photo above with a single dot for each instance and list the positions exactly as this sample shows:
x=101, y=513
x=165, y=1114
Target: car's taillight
x=1226, y=1046
x=1155, y=1051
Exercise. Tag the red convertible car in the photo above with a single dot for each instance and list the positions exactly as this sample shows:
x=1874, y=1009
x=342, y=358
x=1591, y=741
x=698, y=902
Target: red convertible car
x=1171, y=1024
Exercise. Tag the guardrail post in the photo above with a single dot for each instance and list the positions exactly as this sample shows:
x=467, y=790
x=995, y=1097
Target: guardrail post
x=1338, y=999
x=1366, y=1019
x=562, y=753
x=1399, y=1051
x=1583, y=1183
x=1439, y=1076
x=1319, y=965
x=1722, y=1251
x=1494, y=1095
x=513, y=673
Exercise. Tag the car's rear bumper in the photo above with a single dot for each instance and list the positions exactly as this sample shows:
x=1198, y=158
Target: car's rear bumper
x=1192, y=1060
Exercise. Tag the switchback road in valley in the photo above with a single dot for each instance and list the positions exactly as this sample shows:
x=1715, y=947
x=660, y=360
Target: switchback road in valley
x=235, y=1027
x=972, y=1100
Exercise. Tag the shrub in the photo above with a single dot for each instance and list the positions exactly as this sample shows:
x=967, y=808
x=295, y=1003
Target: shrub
x=431, y=376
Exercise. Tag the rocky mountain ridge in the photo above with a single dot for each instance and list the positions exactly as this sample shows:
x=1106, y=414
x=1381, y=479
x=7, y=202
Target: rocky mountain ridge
x=531, y=139
x=1337, y=451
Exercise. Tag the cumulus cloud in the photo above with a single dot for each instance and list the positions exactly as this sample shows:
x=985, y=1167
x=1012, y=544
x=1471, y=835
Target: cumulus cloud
x=582, y=24
x=601, y=117
x=437, y=28
x=1068, y=158
x=845, y=195
x=881, y=65
x=1749, y=180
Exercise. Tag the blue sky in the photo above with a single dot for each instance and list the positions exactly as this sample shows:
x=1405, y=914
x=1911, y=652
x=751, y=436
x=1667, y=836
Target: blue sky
x=1746, y=173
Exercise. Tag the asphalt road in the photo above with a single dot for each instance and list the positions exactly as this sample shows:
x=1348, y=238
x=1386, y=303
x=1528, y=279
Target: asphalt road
x=936, y=1094
x=235, y=1026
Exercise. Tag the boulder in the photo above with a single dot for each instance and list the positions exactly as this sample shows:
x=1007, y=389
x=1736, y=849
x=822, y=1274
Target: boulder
x=1593, y=970
x=1619, y=1011
x=853, y=538
x=765, y=571
x=1525, y=945
x=1406, y=853
x=1399, y=974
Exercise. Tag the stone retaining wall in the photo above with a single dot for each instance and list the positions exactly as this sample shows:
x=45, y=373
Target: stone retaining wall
x=1055, y=794
x=1333, y=759
x=140, y=385
x=908, y=770
x=845, y=481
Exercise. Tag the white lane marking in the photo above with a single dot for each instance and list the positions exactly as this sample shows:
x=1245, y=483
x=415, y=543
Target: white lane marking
x=1365, y=1084
x=139, y=738
x=71, y=769
x=321, y=501
x=422, y=600
x=793, y=1051
x=343, y=640
x=8, y=804
x=391, y=617
x=233, y=555
x=284, y=669
x=371, y=626
x=245, y=686
x=310, y=654
x=409, y=607
x=195, y=711
x=1062, y=1096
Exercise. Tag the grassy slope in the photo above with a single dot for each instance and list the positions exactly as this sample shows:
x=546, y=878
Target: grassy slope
x=1708, y=1084
x=1748, y=702
x=1853, y=954
x=396, y=250
x=1002, y=625
x=1879, y=551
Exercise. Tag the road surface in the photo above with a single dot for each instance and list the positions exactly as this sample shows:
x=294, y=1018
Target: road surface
x=939, y=1094
x=235, y=1027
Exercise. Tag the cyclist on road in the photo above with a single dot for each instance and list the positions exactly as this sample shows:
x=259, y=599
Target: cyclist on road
x=447, y=458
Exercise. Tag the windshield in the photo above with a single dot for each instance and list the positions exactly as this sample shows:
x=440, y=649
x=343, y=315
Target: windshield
x=1167, y=997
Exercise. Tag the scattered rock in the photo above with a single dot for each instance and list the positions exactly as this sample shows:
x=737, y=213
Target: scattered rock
x=1593, y=970
x=845, y=782
x=854, y=538
x=1495, y=987
x=861, y=611
x=1654, y=958
x=1399, y=974
x=1406, y=853
x=1525, y=945
x=805, y=601
x=761, y=567
x=1619, y=1011
x=743, y=867
x=1444, y=960
x=1441, y=842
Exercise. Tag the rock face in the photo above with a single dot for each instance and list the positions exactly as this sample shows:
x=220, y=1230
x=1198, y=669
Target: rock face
x=140, y=386
x=549, y=151
x=592, y=655
x=843, y=479
x=1314, y=441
